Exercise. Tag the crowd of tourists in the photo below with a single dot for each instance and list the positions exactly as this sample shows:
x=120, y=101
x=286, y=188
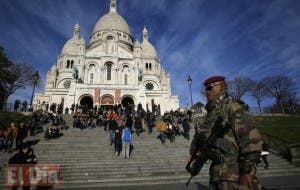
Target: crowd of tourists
x=121, y=122
x=169, y=126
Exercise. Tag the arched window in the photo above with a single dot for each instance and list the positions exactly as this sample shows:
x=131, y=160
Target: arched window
x=91, y=78
x=125, y=79
x=68, y=63
x=72, y=63
x=146, y=66
x=125, y=68
x=150, y=66
x=91, y=71
x=108, y=68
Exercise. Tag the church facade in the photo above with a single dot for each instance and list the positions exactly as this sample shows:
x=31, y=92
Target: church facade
x=111, y=69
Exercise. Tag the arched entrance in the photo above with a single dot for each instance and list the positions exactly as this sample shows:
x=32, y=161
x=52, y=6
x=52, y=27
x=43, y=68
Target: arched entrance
x=87, y=101
x=107, y=102
x=127, y=101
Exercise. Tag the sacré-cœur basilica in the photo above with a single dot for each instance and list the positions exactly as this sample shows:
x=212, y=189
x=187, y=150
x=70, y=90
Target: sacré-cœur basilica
x=113, y=68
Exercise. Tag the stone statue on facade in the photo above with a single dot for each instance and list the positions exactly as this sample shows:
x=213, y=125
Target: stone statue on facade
x=140, y=75
x=75, y=73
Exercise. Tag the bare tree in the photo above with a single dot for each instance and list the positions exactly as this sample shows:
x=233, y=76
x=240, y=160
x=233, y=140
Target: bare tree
x=238, y=87
x=21, y=75
x=5, y=63
x=259, y=92
x=279, y=87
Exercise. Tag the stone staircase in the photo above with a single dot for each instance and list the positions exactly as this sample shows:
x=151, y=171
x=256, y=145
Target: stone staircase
x=86, y=160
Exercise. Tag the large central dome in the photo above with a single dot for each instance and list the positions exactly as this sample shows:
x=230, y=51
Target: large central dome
x=111, y=26
x=112, y=21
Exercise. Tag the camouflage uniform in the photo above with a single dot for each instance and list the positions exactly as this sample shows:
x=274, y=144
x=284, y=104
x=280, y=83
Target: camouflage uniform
x=235, y=146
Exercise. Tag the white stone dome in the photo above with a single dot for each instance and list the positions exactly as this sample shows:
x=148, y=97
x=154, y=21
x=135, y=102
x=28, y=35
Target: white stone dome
x=72, y=46
x=112, y=21
x=137, y=44
x=75, y=44
x=148, y=51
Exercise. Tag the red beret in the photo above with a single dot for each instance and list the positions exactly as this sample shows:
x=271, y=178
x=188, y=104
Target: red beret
x=213, y=80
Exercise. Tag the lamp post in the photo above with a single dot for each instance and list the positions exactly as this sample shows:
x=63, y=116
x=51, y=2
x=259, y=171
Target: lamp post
x=189, y=80
x=36, y=77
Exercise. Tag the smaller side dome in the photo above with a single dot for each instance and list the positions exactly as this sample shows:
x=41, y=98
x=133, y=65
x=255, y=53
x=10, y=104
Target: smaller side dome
x=73, y=45
x=137, y=44
x=148, y=50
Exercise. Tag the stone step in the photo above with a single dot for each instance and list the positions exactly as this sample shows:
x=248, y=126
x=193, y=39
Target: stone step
x=86, y=160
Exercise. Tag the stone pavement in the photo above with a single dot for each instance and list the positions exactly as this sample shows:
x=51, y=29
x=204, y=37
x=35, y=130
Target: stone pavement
x=269, y=183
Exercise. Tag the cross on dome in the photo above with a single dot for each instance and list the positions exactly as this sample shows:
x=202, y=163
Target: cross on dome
x=113, y=6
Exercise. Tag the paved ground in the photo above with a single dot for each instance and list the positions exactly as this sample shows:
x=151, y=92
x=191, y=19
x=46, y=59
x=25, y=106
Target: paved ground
x=273, y=183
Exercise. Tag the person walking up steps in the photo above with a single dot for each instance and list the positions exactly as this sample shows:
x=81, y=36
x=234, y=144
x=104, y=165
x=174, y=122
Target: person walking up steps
x=126, y=138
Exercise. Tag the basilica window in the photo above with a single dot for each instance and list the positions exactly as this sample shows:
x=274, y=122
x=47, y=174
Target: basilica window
x=125, y=79
x=91, y=71
x=67, y=84
x=72, y=63
x=149, y=86
x=150, y=66
x=125, y=68
x=108, y=69
x=91, y=78
x=68, y=64
x=146, y=66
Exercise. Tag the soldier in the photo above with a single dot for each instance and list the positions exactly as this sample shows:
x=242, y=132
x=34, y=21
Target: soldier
x=229, y=139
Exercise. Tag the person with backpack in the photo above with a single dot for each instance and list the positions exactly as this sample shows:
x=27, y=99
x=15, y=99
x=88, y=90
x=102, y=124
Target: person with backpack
x=126, y=138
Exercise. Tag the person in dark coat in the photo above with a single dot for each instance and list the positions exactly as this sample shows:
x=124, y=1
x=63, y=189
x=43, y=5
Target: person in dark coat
x=129, y=121
x=186, y=128
x=264, y=154
x=150, y=121
x=118, y=141
x=2, y=139
x=138, y=125
x=31, y=158
x=21, y=158
x=112, y=126
x=22, y=134
x=11, y=136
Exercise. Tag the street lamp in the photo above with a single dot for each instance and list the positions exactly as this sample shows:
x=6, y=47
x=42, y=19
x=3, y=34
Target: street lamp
x=189, y=80
x=35, y=77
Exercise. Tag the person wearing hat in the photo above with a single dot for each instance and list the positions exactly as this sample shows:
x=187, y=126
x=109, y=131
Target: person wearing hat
x=229, y=139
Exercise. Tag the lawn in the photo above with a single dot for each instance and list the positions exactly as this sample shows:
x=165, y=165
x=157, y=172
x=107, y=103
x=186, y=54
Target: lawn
x=286, y=128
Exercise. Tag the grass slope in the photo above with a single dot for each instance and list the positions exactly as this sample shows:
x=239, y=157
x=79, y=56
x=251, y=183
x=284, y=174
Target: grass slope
x=283, y=127
x=7, y=117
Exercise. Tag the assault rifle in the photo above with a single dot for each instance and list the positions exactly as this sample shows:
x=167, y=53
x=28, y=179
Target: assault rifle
x=204, y=149
x=196, y=163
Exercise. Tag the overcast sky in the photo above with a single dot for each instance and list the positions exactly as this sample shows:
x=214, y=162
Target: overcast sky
x=201, y=38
